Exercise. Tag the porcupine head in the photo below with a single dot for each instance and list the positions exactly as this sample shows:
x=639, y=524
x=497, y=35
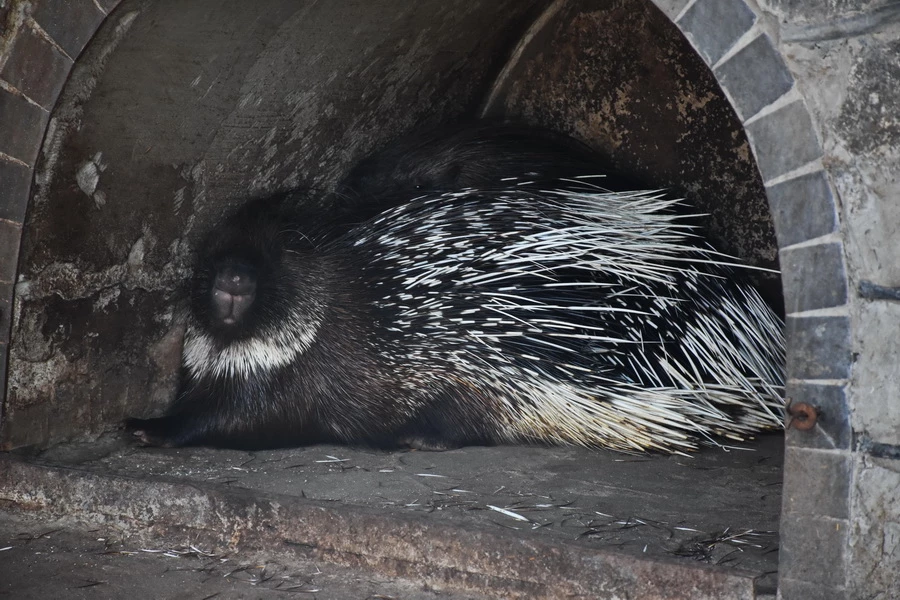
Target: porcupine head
x=255, y=305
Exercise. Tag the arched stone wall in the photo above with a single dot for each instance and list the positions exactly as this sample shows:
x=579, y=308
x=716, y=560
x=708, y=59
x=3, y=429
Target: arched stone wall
x=816, y=87
x=814, y=84
x=39, y=43
x=736, y=43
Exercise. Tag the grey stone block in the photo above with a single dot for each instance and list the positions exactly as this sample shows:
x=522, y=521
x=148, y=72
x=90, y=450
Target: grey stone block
x=671, y=8
x=71, y=24
x=5, y=318
x=6, y=298
x=22, y=127
x=6, y=292
x=715, y=25
x=4, y=361
x=15, y=183
x=108, y=5
x=24, y=425
x=818, y=347
x=802, y=208
x=813, y=550
x=813, y=277
x=818, y=483
x=10, y=234
x=5, y=8
x=784, y=140
x=791, y=589
x=832, y=430
x=36, y=68
x=755, y=77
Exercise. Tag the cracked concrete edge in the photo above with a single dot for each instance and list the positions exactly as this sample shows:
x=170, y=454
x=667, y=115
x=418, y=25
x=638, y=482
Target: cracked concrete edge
x=408, y=546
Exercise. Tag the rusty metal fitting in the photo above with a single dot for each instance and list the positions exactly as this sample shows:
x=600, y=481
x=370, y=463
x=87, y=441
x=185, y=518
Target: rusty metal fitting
x=803, y=415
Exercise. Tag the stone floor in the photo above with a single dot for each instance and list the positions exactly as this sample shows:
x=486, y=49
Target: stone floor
x=46, y=560
x=508, y=521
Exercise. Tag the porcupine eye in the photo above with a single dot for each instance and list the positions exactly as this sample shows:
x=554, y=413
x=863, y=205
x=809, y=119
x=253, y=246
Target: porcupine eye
x=233, y=291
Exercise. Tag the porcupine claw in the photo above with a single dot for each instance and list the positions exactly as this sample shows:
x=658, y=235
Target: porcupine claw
x=149, y=432
x=427, y=444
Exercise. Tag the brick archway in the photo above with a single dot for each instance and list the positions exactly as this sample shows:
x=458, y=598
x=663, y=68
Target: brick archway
x=39, y=43
x=41, y=40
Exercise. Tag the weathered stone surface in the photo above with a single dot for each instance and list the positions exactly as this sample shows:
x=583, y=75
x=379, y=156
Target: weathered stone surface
x=10, y=233
x=802, y=208
x=845, y=55
x=869, y=117
x=866, y=154
x=671, y=8
x=71, y=24
x=380, y=509
x=4, y=355
x=6, y=297
x=832, y=430
x=813, y=277
x=813, y=11
x=715, y=25
x=21, y=127
x=876, y=530
x=803, y=590
x=36, y=68
x=877, y=374
x=819, y=483
x=755, y=77
x=15, y=181
x=108, y=5
x=5, y=8
x=867, y=187
x=100, y=563
x=818, y=347
x=814, y=550
x=784, y=140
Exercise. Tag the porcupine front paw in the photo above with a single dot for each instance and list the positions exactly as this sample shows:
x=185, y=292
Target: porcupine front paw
x=428, y=444
x=151, y=432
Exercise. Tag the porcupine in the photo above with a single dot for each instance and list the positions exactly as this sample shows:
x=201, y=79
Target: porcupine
x=535, y=314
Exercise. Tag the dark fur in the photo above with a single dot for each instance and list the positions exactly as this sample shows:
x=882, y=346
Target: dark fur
x=339, y=390
x=476, y=155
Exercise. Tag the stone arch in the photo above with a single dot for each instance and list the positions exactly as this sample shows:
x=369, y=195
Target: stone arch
x=735, y=42
x=40, y=43
x=44, y=39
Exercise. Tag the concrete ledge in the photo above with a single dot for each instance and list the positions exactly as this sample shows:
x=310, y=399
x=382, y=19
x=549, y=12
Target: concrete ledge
x=414, y=546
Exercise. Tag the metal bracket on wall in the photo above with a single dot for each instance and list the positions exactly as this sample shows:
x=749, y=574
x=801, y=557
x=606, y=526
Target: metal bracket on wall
x=803, y=415
x=873, y=291
x=864, y=443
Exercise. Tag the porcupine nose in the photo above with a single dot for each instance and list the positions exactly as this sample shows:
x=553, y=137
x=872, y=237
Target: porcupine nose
x=234, y=290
